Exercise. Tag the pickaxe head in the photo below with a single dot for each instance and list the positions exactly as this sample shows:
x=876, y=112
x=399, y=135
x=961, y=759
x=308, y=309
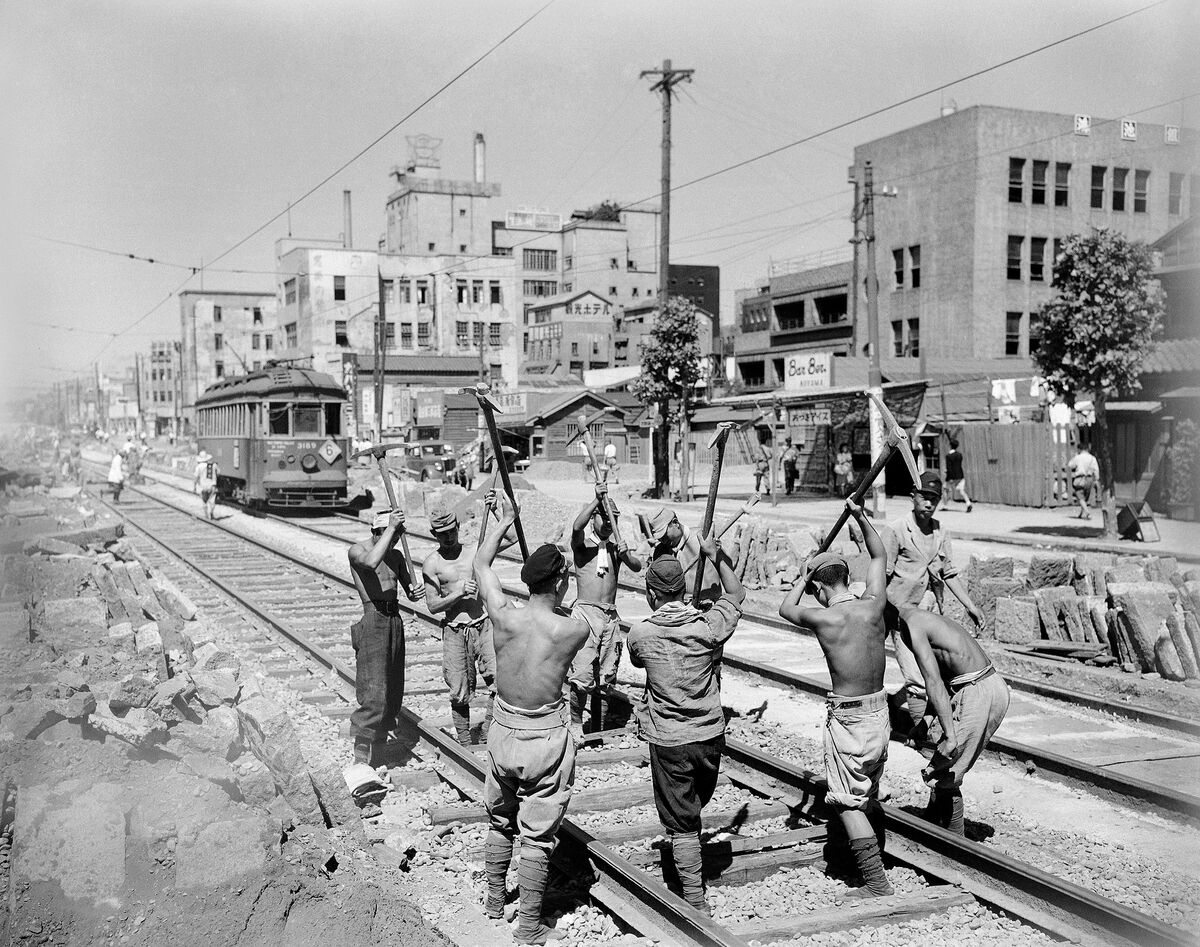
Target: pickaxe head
x=721, y=433
x=378, y=450
x=897, y=437
x=585, y=422
x=484, y=394
x=754, y=498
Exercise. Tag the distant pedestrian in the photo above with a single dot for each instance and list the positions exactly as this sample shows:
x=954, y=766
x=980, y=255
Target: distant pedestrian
x=791, y=466
x=955, y=482
x=205, y=482
x=610, y=462
x=762, y=470
x=1085, y=471
x=116, y=474
x=843, y=470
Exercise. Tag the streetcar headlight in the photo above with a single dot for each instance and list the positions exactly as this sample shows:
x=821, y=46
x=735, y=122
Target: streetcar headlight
x=308, y=463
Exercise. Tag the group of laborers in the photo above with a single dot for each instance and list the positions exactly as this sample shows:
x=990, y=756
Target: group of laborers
x=539, y=666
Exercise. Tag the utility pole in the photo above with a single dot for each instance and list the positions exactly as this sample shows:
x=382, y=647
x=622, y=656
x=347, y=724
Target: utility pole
x=380, y=344
x=666, y=79
x=100, y=421
x=875, y=373
x=137, y=389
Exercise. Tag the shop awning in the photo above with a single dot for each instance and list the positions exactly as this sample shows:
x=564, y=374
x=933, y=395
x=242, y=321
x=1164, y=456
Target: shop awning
x=1134, y=407
x=719, y=414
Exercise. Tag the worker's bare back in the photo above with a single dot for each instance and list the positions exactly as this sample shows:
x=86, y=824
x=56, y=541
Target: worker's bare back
x=852, y=636
x=534, y=650
x=955, y=650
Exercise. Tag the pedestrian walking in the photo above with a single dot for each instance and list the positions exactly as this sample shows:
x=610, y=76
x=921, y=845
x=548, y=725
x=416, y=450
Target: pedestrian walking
x=762, y=469
x=379, y=571
x=205, y=482
x=920, y=568
x=610, y=461
x=116, y=474
x=967, y=701
x=1085, y=471
x=680, y=715
x=598, y=555
x=791, y=466
x=843, y=470
x=851, y=632
x=530, y=753
x=452, y=591
x=956, y=488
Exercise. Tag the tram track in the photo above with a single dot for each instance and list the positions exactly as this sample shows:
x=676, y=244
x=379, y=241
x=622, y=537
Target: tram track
x=249, y=572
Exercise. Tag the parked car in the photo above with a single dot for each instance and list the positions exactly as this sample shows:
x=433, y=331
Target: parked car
x=429, y=460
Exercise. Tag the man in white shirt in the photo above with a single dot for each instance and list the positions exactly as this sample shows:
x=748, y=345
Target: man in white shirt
x=1084, y=474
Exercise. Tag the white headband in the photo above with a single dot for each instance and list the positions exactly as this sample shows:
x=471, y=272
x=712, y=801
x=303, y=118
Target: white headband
x=381, y=519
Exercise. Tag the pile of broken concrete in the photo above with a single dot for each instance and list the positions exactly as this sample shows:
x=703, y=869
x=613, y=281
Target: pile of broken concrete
x=1138, y=612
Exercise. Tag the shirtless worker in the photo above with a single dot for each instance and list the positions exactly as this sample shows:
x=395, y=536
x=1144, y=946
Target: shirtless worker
x=379, y=570
x=681, y=715
x=967, y=698
x=851, y=632
x=531, y=753
x=452, y=591
x=598, y=560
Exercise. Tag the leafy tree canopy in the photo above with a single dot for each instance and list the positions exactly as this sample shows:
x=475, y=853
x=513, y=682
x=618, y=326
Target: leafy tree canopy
x=671, y=355
x=1101, y=322
x=605, y=210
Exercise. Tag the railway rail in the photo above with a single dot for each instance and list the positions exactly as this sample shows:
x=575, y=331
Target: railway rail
x=309, y=606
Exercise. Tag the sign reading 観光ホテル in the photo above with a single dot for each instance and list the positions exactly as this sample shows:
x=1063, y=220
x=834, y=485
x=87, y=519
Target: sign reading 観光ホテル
x=806, y=371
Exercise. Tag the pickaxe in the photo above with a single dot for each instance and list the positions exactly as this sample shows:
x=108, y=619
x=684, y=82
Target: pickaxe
x=377, y=452
x=488, y=406
x=754, y=498
x=714, y=481
x=897, y=440
x=589, y=445
x=490, y=508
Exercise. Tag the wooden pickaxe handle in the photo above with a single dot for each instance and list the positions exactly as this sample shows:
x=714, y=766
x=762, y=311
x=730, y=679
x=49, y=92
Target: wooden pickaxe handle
x=710, y=508
x=485, y=405
x=387, y=485
x=590, y=446
x=728, y=526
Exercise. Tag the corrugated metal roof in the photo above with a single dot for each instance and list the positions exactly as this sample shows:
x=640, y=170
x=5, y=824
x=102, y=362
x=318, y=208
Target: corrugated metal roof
x=1173, y=355
x=428, y=364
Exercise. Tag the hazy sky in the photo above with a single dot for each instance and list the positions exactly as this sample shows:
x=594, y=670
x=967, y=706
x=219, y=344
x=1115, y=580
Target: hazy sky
x=173, y=130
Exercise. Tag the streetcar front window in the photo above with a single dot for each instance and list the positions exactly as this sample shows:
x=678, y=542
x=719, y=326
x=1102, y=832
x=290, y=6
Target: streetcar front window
x=333, y=419
x=308, y=419
x=280, y=418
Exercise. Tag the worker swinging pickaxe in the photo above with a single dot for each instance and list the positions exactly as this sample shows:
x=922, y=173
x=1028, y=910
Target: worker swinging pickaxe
x=377, y=452
x=491, y=491
x=714, y=481
x=489, y=407
x=589, y=445
x=896, y=440
x=749, y=505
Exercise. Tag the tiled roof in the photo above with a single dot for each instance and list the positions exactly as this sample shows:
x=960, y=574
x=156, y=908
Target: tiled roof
x=429, y=364
x=1173, y=355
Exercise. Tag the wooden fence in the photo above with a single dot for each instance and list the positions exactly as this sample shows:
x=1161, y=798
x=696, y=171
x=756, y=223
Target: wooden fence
x=1022, y=464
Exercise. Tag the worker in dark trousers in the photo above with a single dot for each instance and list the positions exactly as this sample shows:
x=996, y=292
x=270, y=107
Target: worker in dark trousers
x=680, y=715
x=379, y=571
x=530, y=750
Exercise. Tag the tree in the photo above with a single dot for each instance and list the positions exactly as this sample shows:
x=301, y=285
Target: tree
x=1097, y=330
x=670, y=370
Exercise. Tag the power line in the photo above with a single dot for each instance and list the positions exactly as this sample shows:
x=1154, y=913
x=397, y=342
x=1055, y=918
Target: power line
x=905, y=101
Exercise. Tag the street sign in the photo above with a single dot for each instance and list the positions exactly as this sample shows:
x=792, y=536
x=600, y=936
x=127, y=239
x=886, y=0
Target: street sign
x=806, y=371
x=809, y=417
x=329, y=450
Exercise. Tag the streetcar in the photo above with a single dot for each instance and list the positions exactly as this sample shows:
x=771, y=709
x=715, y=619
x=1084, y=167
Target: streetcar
x=278, y=438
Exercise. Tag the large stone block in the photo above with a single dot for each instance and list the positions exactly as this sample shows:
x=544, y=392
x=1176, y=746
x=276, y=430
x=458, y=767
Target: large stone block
x=1017, y=620
x=214, y=688
x=49, y=546
x=171, y=701
x=1128, y=573
x=985, y=593
x=73, y=835
x=994, y=567
x=212, y=657
x=1048, y=570
x=1050, y=604
x=1161, y=568
x=219, y=854
x=28, y=718
x=121, y=636
x=334, y=796
x=1166, y=658
x=270, y=735
x=255, y=782
x=149, y=641
x=73, y=620
x=133, y=690
x=219, y=735
x=173, y=600
x=139, y=727
x=1183, y=645
x=1144, y=611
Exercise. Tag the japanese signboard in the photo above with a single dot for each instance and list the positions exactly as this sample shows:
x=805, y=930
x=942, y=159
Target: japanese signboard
x=808, y=417
x=806, y=371
x=429, y=407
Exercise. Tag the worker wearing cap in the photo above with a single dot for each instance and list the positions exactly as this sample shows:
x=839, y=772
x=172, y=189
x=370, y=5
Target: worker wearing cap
x=669, y=537
x=851, y=632
x=379, y=571
x=530, y=750
x=680, y=715
x=920, y=568
x=598, y=551
x=205, y=482
x=467, y=651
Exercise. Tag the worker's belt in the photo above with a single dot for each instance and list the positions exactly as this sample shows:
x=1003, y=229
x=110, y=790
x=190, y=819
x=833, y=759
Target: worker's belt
x=463, y=626
x=609, y=608
x=966, y=680
x=876, y=701
x=386, y=606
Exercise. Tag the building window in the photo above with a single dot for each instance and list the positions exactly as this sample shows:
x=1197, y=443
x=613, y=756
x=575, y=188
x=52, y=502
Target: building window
x=898, y=268
x=1175, y=194
x=431, y=246
x=389, y=292
x=634, y=292
x=540, y=259
x=493, y=333
x=1016, y=180
x=635, y=453
x=462, y=248
x=339, y=333
x=753, y=374
x=406, y=335
x=1037, y=190
x=460, y=289
x=1057, y=252
x=898, y=337
x=477, y=292
x=257, y=316
x=1141, y=191
x=1014, y=256
x=423, y=334
x=290, y=336
x=339, y=289
x=389, y=335
x=1120, y=177
x=216, y=313
x=1099, y=173
x=255, y=341
x=914, y=266
x=1062, y=184
x=1035, y=332
x=1037, y=259
x=422, y=293
x=567, y=287
x=790, y=316
x=460, y=333
x=404, y=291
x=914, y=337
x=219, y=368
x=218, y=342
x=1194, y=194
x=1012, y=333
x=269, y=342
x=494, y=290
x=612, y=263
x=574, y=348
x=568, y=261
x=462, y=212
x=525, y=342
x=612, y=290
x=540, y=287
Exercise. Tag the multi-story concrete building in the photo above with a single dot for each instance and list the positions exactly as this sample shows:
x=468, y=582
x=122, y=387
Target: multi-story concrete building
x=221, y=333
x=571, y=332
x=160, y=387
x=701, y=284
x=983, y=196
x=612, y=252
